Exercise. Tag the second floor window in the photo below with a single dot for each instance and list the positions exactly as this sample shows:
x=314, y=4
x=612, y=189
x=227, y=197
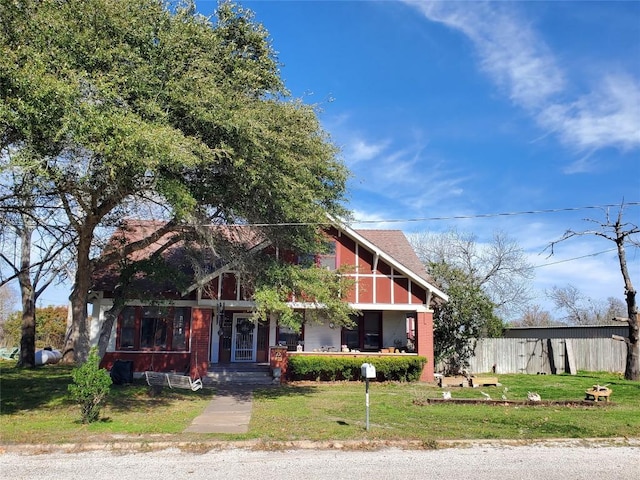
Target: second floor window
x=328, y=258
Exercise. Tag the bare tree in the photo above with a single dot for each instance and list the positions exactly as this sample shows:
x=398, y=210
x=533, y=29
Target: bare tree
x=33, y=246
x=622, y=234
x=535, y=316
x=499, y=267
x=583, y=310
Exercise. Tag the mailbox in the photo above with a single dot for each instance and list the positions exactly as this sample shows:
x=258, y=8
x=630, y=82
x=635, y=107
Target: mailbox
x=368, y=371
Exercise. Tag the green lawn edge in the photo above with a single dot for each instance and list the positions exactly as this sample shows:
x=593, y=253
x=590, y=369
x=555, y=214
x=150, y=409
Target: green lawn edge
x=35, y=408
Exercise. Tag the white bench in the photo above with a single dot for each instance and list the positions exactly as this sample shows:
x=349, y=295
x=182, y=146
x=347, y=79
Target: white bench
x=172, y=380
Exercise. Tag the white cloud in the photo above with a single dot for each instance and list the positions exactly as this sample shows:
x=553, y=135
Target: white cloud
x=589, y=263
x=608, y=116
x=597, y=277
x=359, y=150
x=510, y=51
x=378, y=220
x=397, y=175
x=582, y=165
x=518, y=60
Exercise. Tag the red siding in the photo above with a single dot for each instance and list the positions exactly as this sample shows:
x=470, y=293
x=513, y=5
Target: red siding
x=365, y=263
x=212, y=289
x=384, y=269
x=400, y=290
x=153, y=361
x=229, y=287
x=418, y=294
x=383, y=289
x=365, y=290
x=194, y=363
x=346, y=251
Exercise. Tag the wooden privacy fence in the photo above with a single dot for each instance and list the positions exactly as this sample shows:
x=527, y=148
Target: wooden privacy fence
x=548, y=355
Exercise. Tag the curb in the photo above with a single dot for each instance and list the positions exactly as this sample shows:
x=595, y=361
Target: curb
x=123, y=446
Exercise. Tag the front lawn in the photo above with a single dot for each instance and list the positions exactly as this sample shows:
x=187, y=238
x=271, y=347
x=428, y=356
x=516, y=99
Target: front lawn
x=399, y=411
x=35, y=408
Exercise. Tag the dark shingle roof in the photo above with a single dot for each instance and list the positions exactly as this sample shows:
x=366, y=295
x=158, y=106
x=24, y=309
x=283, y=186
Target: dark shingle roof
x=392, y=242
x=395, y=244
x=178, y=254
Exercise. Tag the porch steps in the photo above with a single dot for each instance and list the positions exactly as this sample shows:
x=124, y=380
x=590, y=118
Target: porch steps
x=238, y=374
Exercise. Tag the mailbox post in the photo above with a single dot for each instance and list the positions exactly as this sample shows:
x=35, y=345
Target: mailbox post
x=367, y=371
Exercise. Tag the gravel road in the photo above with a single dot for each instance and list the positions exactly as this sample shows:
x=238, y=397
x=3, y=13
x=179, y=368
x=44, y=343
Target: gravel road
x=492, y=461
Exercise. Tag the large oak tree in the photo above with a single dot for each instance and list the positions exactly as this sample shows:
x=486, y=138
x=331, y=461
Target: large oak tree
x=122, y=100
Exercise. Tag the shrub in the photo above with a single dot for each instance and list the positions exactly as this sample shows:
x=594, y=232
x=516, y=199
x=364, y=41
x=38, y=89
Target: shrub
x=51, y=326
x=90, y=386
x=329, y=368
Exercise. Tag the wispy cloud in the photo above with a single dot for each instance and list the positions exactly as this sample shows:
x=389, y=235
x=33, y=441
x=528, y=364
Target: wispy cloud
x=509, y=50
x=588, y=263
x=582, y=165
x=608, y=116
x=398, y=174
x=519, y=61
x=359, y=150
x=597, y=276
x=366, y=219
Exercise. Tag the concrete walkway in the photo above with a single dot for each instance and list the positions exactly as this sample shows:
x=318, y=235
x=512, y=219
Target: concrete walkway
x=228, y=412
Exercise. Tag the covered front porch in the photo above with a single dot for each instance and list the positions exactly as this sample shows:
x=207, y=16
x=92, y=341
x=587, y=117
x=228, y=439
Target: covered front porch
x=236, y=338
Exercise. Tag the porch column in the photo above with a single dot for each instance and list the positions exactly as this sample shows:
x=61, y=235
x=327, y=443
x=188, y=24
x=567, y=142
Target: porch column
x=424, y=343
x=200, y=331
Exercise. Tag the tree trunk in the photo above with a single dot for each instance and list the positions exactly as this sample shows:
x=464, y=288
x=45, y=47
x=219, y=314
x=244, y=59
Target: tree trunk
x=78, y=343
x=28, y=336
x=632, y=367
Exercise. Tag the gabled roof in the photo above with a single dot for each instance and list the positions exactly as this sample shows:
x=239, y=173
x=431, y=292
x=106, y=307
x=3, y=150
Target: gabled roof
x=390, y=245
x=395, y=249
x=173, y=247
x=397, y=246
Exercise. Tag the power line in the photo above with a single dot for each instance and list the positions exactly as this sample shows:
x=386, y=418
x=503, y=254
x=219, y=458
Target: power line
x=421, y=219
x=575, y=258
x=503, y=214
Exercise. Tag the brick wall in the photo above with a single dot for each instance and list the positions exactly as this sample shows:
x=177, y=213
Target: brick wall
x=424, y=343
x=200, y=331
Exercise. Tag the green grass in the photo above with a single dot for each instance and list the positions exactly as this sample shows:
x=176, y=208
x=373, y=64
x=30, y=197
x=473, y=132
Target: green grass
x=36, y=408
x=397, y=411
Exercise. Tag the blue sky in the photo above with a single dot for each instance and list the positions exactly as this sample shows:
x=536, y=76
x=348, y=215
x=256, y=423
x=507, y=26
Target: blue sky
x=465, y=109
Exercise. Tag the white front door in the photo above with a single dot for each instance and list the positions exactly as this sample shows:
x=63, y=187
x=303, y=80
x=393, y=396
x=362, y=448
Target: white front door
x=244, y=339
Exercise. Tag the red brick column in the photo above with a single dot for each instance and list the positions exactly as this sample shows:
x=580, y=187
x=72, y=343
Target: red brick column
x=200, y=331
x=279, y=358
x=424, y=343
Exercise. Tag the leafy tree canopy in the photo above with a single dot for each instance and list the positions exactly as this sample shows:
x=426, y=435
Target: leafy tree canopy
x=321, y=289
x=51, y=326
x=113, y=96
x=458, y=323
x=111, y=101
